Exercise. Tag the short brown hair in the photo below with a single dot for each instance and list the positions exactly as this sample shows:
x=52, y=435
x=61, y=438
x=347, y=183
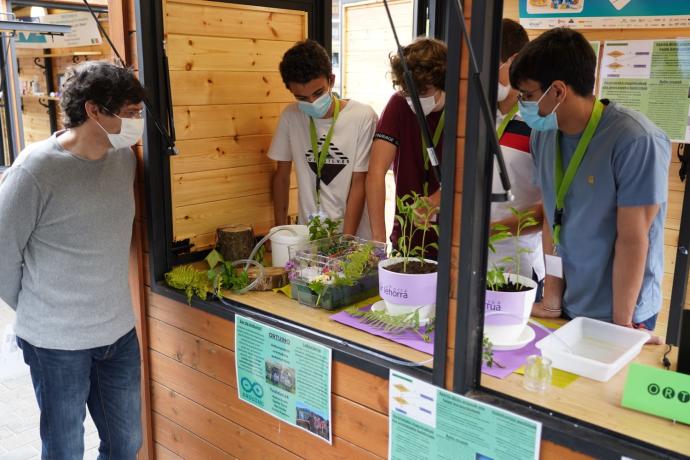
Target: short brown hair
x=426, y=59
x=304, y=62
x=513, y=38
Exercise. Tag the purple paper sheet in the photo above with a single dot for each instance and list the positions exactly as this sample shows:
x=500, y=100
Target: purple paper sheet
x=407, y=338
x=513, y=359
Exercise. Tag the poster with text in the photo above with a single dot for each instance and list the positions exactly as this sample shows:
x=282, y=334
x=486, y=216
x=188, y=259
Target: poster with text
x=284, y=375
x=430, y=423
x=652, y=77
x=84, y=32
x=604, y=14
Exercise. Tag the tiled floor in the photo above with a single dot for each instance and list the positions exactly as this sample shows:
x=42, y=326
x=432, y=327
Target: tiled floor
x=19, y=438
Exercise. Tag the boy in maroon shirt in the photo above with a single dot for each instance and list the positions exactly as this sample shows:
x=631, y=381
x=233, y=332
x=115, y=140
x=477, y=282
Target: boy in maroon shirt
x=398, y=140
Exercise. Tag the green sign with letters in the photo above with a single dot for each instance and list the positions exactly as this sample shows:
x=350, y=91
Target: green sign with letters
x=658, y=392
x=284, y=375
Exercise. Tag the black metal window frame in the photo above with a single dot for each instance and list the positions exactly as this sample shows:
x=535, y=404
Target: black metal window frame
x=561, y=429
x=153, y=74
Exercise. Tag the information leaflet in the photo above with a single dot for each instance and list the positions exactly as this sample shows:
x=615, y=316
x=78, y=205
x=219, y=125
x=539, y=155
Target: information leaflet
x=652, y=77
x=284, y=375
x=430, y=423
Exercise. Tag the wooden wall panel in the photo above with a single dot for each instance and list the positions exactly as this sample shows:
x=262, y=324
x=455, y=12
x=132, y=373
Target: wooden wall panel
x=227, y=97
x=367, y=42
x=224, y=54
x=205, y=18
x=193, y=362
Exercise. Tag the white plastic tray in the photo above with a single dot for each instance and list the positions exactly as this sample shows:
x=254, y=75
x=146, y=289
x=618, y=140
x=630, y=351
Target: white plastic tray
x=592, y=348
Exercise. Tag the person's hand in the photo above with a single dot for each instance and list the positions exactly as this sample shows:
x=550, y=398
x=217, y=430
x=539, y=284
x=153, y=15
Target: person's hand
x=653, y=339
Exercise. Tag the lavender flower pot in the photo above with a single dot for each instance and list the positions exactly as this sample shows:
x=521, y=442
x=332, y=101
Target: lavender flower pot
x=404, y=293
x=507, y=313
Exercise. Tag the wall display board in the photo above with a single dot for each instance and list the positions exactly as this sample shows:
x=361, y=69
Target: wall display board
x=604, y=14
x=284, y=375
x=84, y=32
x=430, y=423
x=652, y=77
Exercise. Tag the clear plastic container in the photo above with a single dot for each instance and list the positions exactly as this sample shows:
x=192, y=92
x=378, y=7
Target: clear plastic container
x=592, y=348
x=325, y=260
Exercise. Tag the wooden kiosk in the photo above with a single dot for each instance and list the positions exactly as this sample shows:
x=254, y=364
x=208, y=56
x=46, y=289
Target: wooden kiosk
x=215, y=77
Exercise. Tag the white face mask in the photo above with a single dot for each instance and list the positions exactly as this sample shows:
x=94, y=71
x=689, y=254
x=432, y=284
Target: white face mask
x=131, y=131
x=428, y=104
x=503, y=91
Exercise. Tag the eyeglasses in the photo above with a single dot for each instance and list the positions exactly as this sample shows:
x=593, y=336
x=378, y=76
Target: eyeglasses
x=527, y=96
x=522, y=96
x=136, y=114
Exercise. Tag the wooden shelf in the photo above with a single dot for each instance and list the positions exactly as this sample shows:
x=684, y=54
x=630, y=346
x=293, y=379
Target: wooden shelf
x=58, y=54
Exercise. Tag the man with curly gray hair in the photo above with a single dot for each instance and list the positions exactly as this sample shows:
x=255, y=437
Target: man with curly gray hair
x=66, y=214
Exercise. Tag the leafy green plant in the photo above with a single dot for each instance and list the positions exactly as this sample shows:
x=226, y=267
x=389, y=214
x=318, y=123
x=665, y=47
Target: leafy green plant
x=190, y=280
x=223, y=274
x=525, y=220
x=487, y=352
x=323, y=227
x=356, y=265
x=318, y=287
x=414, y=215
x=496, y=274
x=393, y=324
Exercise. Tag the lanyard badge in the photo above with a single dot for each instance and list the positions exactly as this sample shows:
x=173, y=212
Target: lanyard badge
x=321, y=154
x=563, y=181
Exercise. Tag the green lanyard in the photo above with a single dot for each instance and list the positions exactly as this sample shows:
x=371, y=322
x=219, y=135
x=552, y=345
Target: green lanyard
x=321, y=155
x=504, y=123
x=562, y=182
x=436, y=138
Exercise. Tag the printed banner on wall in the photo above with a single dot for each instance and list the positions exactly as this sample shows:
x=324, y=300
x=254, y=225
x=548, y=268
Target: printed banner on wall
x=84, y=32
x=284, y=375
x=604, y=14
x=652, y=77
x=430, y=423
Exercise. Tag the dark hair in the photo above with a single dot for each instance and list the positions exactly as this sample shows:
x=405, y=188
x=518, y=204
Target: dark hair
x=513, y=38
x=557, y=54
x=304, y=62
x=426, y=59
x=109, y=86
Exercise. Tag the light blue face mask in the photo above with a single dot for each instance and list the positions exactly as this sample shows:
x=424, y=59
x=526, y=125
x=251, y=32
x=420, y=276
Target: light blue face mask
x=529, y=111
x=318, y=108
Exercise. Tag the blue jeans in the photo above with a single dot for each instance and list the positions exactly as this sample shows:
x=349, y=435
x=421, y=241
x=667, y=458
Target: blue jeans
x=106, y=379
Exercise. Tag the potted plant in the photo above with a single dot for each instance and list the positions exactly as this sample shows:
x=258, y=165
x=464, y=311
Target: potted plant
x=509, y=295
x=407, y=281
x=334, y=272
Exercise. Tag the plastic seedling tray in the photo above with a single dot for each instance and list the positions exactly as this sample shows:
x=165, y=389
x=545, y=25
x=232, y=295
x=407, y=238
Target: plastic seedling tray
x=592, y=348
x=337, y=296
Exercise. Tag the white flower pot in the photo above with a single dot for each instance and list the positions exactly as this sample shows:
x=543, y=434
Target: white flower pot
x=506, y=313
x=406, y=292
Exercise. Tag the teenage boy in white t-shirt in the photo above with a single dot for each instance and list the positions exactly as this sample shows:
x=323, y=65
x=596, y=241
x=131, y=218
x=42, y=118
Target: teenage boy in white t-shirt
x=328, y=139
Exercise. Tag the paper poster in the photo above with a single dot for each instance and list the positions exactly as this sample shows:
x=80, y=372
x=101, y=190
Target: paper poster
x=84, y=32
x=652, y=77
x=604, y=14
x=430, y=423
x=284, y=375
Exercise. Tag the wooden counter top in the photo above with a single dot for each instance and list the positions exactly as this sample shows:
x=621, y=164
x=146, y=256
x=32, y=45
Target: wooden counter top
x=319, y=319
x=599, y=403
x=594, y=402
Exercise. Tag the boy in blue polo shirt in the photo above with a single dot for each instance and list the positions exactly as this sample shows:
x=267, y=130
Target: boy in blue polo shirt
x=603, y=172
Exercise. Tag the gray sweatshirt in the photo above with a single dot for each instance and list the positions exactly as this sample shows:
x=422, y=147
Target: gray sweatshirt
x=65, y=234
